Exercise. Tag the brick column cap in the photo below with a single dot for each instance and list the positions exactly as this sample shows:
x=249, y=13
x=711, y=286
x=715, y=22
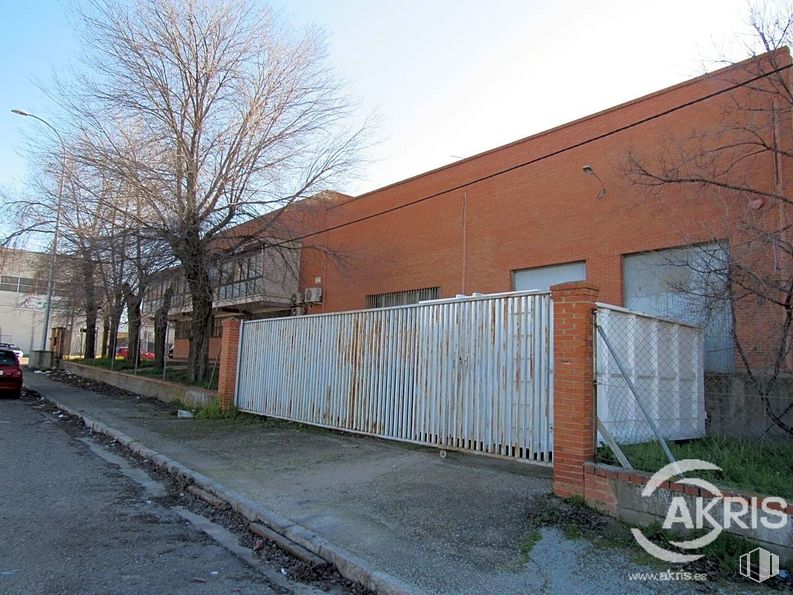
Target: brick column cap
x=574, y=286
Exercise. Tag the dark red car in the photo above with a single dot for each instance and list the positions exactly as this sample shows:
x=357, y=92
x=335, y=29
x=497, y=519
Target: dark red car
x=10, y=374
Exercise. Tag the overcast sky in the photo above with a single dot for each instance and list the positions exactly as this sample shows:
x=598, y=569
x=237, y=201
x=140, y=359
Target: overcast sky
x=448, y=78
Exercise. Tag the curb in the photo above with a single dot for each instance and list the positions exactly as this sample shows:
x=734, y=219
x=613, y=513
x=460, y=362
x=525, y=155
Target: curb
x=349, y=565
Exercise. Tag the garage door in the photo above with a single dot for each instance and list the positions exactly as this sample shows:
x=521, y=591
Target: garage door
x=685, y=284
x=542, y=278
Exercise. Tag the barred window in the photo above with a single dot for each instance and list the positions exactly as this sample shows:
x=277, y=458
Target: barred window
x=402, y=298
x=182, y=328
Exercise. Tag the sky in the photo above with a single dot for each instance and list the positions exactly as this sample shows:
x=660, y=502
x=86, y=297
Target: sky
x=446, y=78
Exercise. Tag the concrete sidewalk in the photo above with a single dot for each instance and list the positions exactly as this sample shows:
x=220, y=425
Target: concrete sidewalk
x=453, y=525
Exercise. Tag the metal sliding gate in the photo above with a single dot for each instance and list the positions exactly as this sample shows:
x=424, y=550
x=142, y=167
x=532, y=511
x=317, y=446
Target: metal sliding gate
x=471, y=374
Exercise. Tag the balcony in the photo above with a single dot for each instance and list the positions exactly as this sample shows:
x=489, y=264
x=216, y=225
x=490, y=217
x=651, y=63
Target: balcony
x=248, y=282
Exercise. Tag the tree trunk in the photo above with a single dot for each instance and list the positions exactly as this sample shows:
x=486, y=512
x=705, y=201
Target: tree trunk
x=133, y=321
x=198, y=356
x=161, y=329
x=116, y=308
x=89, y=351
x=105, y=335
x=191, y=251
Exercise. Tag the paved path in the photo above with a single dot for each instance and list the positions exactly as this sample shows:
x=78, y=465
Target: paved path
x=451, y=525
x=72, y=523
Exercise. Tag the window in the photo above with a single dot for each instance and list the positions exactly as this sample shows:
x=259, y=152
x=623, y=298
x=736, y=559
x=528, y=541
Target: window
x=182, y=330
x=541, y=278
x=217, y=329
x=8, y=283
x=689, y=285
x=26, y=285
x=402, y=298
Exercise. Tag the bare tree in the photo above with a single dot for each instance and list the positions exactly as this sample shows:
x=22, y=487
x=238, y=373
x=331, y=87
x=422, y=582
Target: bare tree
x=161, y=328
x=81, y=229
x=213, y=113
x=83, y=212
x=744, y=163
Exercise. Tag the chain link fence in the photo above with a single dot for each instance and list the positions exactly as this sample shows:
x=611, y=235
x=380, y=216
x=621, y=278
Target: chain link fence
x=649, y=376
x=656, y=401
x=755, y=414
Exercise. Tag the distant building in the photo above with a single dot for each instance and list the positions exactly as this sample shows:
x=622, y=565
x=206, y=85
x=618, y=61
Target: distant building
x=254, y=283
x=23, y=297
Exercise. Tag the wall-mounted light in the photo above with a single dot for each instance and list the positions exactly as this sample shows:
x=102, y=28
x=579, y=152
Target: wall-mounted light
x=588, y=170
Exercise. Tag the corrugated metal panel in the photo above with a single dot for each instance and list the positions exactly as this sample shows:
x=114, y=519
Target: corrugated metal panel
x=541, y=278
x=472, y=374
x=664, y=360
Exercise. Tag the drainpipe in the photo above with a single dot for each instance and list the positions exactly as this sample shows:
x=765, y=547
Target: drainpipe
x=465, y=221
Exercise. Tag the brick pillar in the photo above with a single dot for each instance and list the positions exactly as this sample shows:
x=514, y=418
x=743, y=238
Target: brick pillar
x=227, y=368
x=573, y=386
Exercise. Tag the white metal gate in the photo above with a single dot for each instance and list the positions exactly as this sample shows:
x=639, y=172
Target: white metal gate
x=472, y=374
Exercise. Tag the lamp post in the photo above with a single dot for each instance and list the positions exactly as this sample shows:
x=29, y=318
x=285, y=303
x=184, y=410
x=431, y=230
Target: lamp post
x=54, y=254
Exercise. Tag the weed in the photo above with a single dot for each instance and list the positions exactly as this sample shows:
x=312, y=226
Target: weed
x=213, y=410
x=726, y=550
x=528, y=543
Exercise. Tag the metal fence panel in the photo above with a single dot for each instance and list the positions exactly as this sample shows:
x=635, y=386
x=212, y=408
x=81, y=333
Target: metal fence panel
x=664, y=361
x=470, y=374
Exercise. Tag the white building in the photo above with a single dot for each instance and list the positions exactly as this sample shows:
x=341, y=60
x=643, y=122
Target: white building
x=23, y=296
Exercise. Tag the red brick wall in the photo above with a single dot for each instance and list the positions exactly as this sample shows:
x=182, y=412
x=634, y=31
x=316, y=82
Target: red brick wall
x=227, y=366
x=471, y=239
x=181, y=348
x=469, y=236
x=573, y=389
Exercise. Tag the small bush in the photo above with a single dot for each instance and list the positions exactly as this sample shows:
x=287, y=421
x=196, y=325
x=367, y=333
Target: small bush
x=213, y=410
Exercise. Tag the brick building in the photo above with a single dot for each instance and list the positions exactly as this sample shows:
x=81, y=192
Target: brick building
x=533, y=213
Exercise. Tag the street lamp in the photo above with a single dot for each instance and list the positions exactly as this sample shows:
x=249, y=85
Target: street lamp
x=590, y=171
x=53, y=256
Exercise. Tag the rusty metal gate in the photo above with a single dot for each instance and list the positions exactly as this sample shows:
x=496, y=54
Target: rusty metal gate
x=471, y=374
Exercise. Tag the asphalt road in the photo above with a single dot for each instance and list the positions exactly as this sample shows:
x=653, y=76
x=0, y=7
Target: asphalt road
x=70, y=522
